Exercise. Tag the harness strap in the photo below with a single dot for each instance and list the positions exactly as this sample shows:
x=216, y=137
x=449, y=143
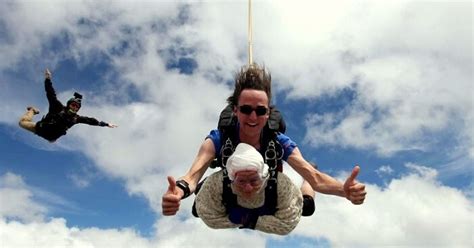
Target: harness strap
x=229, y=199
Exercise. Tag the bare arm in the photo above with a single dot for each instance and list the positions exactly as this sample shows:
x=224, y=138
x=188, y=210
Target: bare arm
x=204, y=157
x=319, y=181
x=172, y=197
x=323, y=183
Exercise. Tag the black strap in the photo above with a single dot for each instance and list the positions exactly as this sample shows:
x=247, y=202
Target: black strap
x=183, y=185
x=271, y=195
x=229, y=199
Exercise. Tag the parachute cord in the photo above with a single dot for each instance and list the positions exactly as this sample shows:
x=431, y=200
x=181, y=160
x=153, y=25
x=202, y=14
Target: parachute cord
x=250, y=33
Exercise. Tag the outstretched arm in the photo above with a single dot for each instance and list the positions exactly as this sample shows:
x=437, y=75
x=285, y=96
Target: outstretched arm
x=323, y=183
x=94, y=122
x=54, y=104
x=170, y=203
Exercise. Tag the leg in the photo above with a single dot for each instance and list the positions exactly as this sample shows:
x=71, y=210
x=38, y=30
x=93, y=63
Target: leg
x=26, y=120
x=308, y=199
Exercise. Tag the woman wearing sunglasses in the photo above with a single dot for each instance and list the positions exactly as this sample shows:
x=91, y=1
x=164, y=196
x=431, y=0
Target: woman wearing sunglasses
x=249, y=176
x=250, y=101
x=59, y=118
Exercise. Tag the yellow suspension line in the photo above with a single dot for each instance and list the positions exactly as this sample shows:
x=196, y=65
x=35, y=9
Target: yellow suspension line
x=250, y=33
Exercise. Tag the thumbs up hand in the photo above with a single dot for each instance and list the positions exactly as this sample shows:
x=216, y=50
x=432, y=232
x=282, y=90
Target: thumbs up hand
x=171, y=199
x=355, y=191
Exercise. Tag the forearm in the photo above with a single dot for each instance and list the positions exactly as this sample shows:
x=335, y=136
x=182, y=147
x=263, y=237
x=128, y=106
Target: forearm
x=319, y=181
x=272, y=224
x=218, y=222
x=90, y=121
x=200, y=164
x=328, y=185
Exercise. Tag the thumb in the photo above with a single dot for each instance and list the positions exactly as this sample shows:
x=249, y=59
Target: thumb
x=353, y=175
x=172, y=184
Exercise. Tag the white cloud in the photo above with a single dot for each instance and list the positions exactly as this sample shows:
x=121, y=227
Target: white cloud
x=16, y=202
x=413, y=210
x=79, y=181
x=384, y=170
x=55, y=233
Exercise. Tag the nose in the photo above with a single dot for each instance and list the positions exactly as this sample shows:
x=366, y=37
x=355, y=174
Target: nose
x=253, y=115
x=248, y=187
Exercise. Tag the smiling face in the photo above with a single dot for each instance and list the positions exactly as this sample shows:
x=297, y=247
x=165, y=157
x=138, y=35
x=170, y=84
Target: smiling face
x=247, y=183
x=251, y=124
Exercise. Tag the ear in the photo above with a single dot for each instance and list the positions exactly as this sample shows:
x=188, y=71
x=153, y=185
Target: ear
x=234, y=109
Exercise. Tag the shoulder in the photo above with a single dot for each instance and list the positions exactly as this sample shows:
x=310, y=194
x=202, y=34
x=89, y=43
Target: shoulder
x=283, y=178
x=282, y=138
x=213, y=183
x=285, y=185
x=214, y=134
x=287, y=145
x=215, y=137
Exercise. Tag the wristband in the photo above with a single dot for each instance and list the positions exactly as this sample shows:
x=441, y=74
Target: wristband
x=183, y=185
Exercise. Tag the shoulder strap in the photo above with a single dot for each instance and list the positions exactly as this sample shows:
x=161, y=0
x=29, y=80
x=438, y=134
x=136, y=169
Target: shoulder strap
x=229, y=199
x=271, y=195
x=226, y=117
x=226, y=125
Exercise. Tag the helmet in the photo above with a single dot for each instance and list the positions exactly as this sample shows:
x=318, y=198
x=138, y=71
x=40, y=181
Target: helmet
x=76, y=99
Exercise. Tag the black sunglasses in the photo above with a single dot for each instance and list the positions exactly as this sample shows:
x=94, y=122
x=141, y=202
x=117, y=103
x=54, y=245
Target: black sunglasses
x=259, y=110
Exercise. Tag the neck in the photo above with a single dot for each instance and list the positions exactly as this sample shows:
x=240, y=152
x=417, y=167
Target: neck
x=251, y=140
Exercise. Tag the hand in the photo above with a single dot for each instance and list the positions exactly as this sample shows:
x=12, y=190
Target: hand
x=112, y=125
x=171, y=199
x=355, y=191
x=47, y=74
x=238, y=215
x=244, y=216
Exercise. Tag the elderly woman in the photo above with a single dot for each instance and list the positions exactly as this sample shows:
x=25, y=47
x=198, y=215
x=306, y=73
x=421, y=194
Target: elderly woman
x=249, y=177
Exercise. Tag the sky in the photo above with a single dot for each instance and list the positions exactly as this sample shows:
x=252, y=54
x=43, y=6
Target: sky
x=387, y=85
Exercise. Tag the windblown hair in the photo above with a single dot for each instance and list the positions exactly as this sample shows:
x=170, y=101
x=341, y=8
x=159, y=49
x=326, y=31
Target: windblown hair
x=253, y=77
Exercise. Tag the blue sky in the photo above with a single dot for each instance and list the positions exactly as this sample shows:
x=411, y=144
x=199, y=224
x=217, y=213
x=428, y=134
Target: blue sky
x=386, y=85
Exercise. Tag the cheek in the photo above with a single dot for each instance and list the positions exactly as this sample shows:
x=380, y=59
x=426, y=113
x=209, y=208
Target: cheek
x=263, y=120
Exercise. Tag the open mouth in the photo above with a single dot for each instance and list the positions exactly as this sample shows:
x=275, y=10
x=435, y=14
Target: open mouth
x=252, y=124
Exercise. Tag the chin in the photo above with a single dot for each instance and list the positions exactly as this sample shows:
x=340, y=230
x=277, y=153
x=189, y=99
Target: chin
x=247, y=195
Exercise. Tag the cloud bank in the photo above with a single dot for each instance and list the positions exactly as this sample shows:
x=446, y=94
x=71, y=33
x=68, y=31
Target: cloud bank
x=413, y=210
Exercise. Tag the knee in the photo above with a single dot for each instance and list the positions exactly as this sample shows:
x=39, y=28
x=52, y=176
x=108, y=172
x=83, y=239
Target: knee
x=21, y=123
